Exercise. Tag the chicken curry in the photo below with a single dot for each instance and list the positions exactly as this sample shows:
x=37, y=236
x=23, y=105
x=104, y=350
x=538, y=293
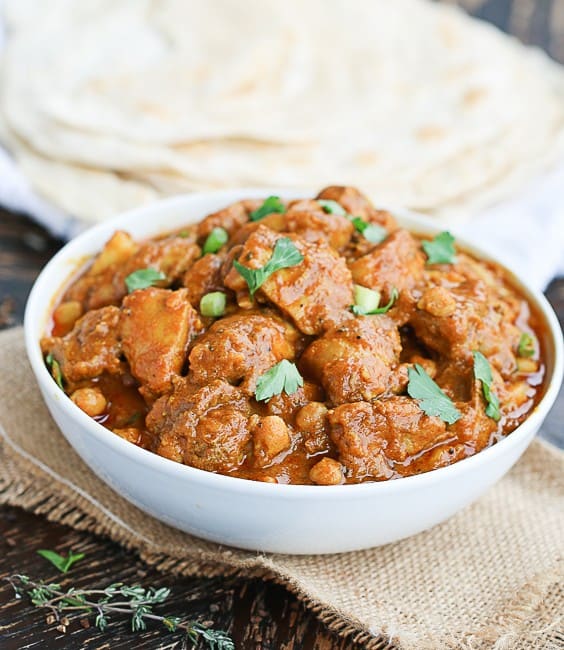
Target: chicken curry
x=311, y=341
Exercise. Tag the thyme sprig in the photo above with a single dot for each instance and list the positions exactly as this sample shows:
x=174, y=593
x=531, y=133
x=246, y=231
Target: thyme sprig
x=134, y=601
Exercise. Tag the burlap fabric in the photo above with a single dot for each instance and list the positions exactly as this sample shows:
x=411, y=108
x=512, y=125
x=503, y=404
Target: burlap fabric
x=490, y=577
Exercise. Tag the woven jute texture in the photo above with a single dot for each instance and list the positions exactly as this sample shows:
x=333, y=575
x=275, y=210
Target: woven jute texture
x=490, y=577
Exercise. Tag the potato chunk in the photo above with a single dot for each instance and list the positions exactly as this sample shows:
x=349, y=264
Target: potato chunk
x=314, y=293
x=155, y=328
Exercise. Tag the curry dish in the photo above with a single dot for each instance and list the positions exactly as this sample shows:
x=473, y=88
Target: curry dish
x=310, y=342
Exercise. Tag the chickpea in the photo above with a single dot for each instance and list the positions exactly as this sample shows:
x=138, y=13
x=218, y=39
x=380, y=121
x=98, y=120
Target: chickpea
x=311, y=417
x=327, y=472
x=428, y=365
x=437, y=301
x=131, y=434
x=90, y=400
x=270, y=437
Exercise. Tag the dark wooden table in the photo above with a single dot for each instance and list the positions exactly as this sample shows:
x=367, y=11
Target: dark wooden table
x=258, y=615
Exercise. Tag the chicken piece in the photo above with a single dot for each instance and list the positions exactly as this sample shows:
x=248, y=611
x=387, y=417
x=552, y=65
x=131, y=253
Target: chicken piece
x=202, y=277
x=308, y=220
x=230, y=218
x=91, y=348
x=354, y=361
x=104, y=283
x=240, y=348
x=475, y=429
x=207, y=428
x=371, y=438
x=397, y=262
x=315, y=293
x=155, y=328
x=357, y=205
x=476, y=323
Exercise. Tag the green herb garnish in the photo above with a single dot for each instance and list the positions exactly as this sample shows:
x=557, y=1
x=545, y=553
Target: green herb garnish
x=366, y=301
x=284, y=255
x=271, y=204
x=371, y=231
x=55, y=368
x=440, y=250
x=143, y=278
x=527, y=346
x=213, y=304
x=115, y=600
x=432, y=400
x=332, y=207
x=483, y=372
x=215, y=240
x=62, y=563
x=284, y=376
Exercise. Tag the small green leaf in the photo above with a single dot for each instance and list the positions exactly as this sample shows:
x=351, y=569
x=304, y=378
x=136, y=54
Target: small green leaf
x=217, y=238
x=284, y=255
x=62, y=563
x=432, y=400
x=284, y=376
x=171, y=622
x=332, y=207
x=374, y=233
x=440, y=250
x=483, y=373
x=143, y=278
x=213, y=304
x=362, y=308
x=270, y=205
x=101, y=622
x=55, y=368
x=527, y=345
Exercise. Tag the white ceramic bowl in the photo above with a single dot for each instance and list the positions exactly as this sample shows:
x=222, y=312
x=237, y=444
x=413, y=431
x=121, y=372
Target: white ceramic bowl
x=262, y=516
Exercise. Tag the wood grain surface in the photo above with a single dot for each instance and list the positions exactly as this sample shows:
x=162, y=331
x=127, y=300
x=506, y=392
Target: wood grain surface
x=258, y=615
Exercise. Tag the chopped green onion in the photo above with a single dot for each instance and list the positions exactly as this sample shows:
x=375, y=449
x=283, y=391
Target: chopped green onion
x=332, y=207
x=215, y=240
x=271, y=204
x=527, y=347
x=143, y=278
x=371, y=231
x=360, y=308
x=213, y=304
x=365, y=299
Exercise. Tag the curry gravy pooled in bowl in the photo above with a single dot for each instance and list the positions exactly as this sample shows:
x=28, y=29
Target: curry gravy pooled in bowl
x=309, y=341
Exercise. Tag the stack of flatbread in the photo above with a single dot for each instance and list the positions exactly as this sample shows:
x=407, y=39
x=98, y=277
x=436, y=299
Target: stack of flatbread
x=107, y=104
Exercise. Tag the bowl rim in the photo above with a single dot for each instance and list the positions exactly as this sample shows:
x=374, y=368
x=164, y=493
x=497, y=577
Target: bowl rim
x=41, y=299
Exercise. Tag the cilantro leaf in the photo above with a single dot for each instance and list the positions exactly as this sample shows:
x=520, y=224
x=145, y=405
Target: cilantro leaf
x=284, y=255
x=371, y=231
x=483, y=372
x=432, y=400
x=527, y=346
x=332, y=207
x=440, y=250
x=62, y=563
x=363, y=306
x=143, y=278
x=270, y=205
x=55, y=368
x=284, y=376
